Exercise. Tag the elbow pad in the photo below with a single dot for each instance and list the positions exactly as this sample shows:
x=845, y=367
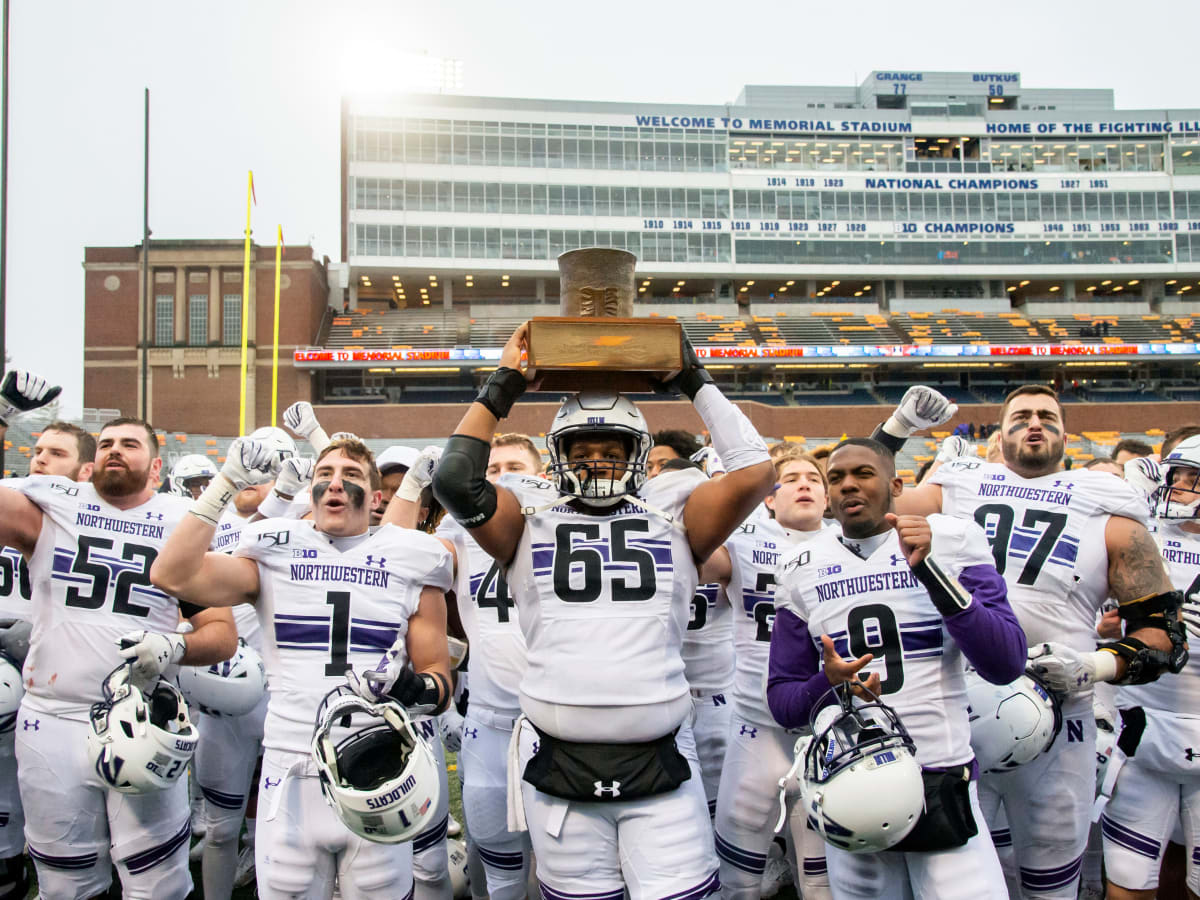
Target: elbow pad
x=460, y=483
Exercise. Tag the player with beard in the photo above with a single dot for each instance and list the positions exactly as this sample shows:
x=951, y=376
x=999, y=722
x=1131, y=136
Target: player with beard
x=90, y=548
x=355, y=594
x=908, y=600
x=1044, y=525
x=759, y=752
x=602, y=568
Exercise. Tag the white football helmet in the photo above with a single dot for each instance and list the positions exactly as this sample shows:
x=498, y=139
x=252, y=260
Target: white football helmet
x=277, y=438
x=1178, y=497
x=188, y=469
x=460, y=876
x=1011, y=724
x=230, y=688
x=381, y=780
x=860, y=783
x=12, y=689
x=140, y=740
x=600, y=414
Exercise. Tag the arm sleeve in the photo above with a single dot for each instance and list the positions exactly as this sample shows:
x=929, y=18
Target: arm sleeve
x=987, y=631
x=795, y=681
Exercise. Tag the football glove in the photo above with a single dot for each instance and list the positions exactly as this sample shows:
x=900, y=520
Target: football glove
x=1190, y=614
x=920, y=407
x=450, y=723
x=301, y=419
x=151, y=653
x=249, y=462
x=709, y=461
x=1144, y=475
x=395, y=680
x=294, y=475
x=1067, y=671
x=420, y=474
x=22, y=391
x=955, y=447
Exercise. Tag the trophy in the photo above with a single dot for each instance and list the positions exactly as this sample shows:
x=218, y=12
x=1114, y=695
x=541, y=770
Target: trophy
x=597, y=343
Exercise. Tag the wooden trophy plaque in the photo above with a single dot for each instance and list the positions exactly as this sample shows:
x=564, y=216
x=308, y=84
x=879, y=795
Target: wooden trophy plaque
x=597, y=343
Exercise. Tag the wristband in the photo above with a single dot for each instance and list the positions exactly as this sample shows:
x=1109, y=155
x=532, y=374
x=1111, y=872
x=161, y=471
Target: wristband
x=209, y=505
x=318, y=440
x=501, y=391
x=410, y=488
x=1105, y=665
x=274, y=506
x=734, y=439
x=889, y=440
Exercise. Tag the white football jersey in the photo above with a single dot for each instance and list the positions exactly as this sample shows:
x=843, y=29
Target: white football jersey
x=604, y=598
x=754, y=553
x=1047, y=537
x=1175, y=694
x=708, y=642
x=16, y=589
x=91, y=583
x=324, y=611
x=489, y=617
x=225, y=540
x=877, y=605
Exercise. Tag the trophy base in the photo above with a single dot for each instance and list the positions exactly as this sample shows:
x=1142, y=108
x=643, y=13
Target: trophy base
x=603, y=353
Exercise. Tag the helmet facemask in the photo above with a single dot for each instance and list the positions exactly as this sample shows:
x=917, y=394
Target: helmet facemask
x=598, y=416
x=1178, y=497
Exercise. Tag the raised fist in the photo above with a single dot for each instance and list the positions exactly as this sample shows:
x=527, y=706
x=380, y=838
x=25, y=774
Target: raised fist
x=955, y=447
x=22, y=391
x=294, y=475
x=249, y=462
x=301, y=419
x=923, y=407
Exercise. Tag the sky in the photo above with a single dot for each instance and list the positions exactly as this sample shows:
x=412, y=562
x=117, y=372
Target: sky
x=237, y=85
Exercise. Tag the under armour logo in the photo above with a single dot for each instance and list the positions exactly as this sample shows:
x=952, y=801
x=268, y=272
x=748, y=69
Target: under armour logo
x=1190, y=754
x=470, y=732
x=896, y=560
x=612, y=789
x=154, y=515
x=269, y=782
x=372, y=561
x=1065, y=485
x=33, y=726
x=750, y=730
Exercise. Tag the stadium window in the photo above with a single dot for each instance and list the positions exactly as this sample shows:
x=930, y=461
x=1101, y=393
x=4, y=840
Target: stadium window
x=164, y=320
x=198, y=320
x=231, y=319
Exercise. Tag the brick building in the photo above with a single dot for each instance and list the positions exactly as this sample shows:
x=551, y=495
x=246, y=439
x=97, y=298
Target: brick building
x=193, y=330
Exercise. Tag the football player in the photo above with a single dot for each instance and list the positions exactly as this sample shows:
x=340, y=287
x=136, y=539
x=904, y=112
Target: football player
x=90, y=548
x=904, y=600
x=67, y=451
x=1158, y=787
x=760, y=751
x=489, y=620
x=603, y=572
x=330, y=595
x=1045, y=528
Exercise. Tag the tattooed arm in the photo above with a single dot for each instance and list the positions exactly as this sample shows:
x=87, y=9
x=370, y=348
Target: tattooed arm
x=1136, y=569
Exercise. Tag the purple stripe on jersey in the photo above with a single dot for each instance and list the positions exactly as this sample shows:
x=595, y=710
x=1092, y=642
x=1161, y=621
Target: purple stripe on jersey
x=290, y=633
x=923, y=654
x=362, y=638
x=1065, y=551
x=1050, y=879
x=921, y=639
x=795, y=681
x=288, y=617
x=1139, y=843
x=354, y=620
x=921, y=623
x=987, y=631
x=1196, y=856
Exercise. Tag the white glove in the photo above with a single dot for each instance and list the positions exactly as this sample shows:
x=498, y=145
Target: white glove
x=1190, y=614
x=23, y=391
x=709, y=461
x=151, y=653
x=294, y=475
x=301, y=419
x=420, y=474
x=249, y=462
x=1068, y=671
x=451, y=725
x=954, y=447
x=920, y=407
x=392, y=679
x=1144, y=475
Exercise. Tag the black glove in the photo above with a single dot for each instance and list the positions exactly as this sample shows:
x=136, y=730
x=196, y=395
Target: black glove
x=692, y=377
x=412, y=689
